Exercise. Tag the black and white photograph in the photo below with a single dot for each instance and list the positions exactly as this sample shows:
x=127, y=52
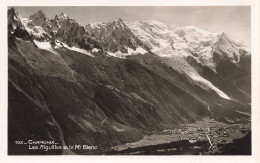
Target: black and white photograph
x=140, y=81
x=129, y=80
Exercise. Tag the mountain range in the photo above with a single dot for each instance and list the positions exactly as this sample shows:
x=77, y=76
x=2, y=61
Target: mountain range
x=113, y=82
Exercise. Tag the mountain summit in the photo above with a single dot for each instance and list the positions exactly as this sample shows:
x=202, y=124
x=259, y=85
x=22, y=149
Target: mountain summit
x=63, y=16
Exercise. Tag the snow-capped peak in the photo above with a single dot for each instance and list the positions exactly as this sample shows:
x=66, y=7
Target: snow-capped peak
x=117, y=24
x=63, y=16
x=166, y=40
x=155, y=23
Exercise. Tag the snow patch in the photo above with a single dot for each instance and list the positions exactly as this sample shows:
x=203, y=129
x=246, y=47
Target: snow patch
x=207, y=83
x=45, y=46
x=80, y=51
x=95, y=50
x=62, y=44
x=119, y=54
x=140, y=50
x=36, y=31
x=118, y=129
x=130, y=51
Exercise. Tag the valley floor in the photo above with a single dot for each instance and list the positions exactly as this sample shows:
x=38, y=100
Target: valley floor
x=215, y=133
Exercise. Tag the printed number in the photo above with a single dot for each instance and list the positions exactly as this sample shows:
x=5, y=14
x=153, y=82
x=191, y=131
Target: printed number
x=18, y=142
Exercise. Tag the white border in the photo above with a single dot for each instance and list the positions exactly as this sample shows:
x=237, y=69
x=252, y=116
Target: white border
x=128, y=3
x=255, y=44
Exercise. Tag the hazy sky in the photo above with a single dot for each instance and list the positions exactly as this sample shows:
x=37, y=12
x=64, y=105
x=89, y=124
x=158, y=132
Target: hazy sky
x=235, y=21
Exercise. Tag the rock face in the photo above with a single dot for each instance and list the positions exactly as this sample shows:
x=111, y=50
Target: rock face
x=111, y=83
x=38, y=19
x=114, y=36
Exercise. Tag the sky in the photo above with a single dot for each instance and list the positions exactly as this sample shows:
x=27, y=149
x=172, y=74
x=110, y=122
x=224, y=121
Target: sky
x=233, y=20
